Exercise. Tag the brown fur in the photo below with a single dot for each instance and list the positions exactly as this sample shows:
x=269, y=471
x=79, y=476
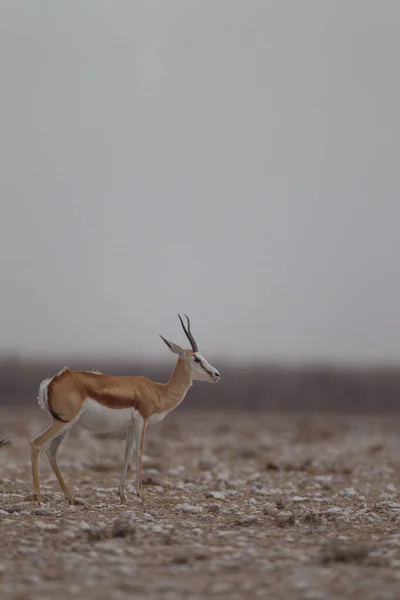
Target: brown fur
x=67, y=392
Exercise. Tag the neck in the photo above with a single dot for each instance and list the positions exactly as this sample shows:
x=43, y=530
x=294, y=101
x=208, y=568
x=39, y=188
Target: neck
x=176, y=388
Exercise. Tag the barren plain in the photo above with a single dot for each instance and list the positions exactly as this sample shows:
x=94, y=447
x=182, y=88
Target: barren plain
x=242, y=505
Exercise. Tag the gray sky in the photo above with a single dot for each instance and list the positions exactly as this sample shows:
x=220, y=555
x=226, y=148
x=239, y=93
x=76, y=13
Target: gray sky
x=235, y=160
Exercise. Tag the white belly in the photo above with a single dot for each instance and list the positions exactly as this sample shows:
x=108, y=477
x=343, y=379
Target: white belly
x=100, y=419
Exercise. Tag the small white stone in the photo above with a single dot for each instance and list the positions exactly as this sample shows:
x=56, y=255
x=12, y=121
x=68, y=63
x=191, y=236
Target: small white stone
x=335, y=510
x=190, y=508
x=349, y=492
x=248, y=521
x=216, y=495
x=300, y=499
x=109, y=548
x=46, y=526
x=324, y=478
x=69, y=534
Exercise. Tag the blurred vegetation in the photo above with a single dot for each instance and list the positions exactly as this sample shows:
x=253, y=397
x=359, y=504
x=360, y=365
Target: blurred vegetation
x=268, y=387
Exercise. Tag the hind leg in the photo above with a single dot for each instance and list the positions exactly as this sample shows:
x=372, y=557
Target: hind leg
x=52, y=432
x=52, y=452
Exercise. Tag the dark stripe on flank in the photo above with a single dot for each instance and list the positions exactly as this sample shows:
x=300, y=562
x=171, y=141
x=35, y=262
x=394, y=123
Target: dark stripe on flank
x=58, y=418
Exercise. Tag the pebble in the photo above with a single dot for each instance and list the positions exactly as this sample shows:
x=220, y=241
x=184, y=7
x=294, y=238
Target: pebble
x=10, y=522
x=123, y=526
x=300, y=499
x=109, y=548
x=217, y=495
x=46, y=526
x=335, y=510
x=13, y=508
x=44, y=512
x=247, y=521
x=350, y=492
x=214, y=508
x=285, y=519
x=190, y=508
x=69, y=534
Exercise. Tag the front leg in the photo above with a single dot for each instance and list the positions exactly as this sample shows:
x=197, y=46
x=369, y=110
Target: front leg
x=130, y=443
x=140, y=432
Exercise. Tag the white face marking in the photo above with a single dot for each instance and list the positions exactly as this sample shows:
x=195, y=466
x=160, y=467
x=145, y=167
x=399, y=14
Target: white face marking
x=202, y=370
x=101, y=419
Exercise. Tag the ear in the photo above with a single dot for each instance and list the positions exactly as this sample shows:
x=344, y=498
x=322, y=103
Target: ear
x=174, y=347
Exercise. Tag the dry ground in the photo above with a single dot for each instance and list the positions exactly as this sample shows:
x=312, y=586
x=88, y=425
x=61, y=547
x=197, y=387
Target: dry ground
x=242, y=506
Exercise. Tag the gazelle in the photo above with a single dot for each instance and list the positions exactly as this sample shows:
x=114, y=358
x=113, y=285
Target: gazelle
x=104, y=403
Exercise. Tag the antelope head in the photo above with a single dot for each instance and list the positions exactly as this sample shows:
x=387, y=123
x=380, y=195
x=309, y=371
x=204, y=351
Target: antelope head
x=199, y=367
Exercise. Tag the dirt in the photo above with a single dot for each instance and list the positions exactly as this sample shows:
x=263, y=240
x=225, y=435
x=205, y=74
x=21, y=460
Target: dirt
x=241, y=506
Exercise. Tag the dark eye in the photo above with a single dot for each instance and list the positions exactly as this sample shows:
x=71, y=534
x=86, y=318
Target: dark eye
x=196, y=359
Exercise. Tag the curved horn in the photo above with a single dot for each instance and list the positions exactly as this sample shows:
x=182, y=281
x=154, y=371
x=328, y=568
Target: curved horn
x=188, y=333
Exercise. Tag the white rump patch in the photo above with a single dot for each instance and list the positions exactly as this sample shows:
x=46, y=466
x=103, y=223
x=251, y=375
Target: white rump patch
x=43, y=397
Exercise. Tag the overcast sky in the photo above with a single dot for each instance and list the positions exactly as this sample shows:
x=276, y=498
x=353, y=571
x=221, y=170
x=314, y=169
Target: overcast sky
x=238, y=160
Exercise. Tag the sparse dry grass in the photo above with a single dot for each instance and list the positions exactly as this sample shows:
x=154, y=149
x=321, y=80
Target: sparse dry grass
x=260, y=506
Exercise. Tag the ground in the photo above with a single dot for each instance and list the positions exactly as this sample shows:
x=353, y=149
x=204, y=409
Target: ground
x=241, y=506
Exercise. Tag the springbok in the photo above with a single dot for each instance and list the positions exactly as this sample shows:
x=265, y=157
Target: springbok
x=103, y=403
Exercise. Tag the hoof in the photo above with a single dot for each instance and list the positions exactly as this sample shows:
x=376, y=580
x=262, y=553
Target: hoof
x=37, y=498
x=144, y=499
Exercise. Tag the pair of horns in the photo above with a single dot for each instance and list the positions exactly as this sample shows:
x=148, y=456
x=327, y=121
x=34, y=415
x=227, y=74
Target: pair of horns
x=188, y=333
